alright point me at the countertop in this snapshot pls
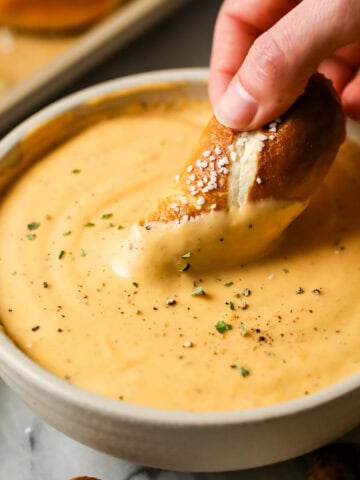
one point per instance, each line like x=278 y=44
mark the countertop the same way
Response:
x=29 y=448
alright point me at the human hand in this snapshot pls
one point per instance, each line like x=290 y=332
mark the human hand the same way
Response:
x=264 y=52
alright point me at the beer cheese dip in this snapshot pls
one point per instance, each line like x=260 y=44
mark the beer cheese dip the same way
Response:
x=231 y=338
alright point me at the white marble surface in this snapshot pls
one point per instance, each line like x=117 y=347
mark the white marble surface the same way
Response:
x=29 y=448
x=32 y=450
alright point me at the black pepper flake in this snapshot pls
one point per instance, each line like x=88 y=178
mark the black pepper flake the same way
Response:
x=262 y=338
x=316 y=291
x=250 y=226
x=221 y=239
x=35 y=329
x=45 y=285
x=171 y=301
x=300 y=290
x=247 y=292
x=60 y=330
x=185 y=268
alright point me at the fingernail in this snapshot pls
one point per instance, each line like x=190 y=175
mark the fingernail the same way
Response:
x=236 y=108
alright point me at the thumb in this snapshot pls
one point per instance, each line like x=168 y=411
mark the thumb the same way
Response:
x=280 y=61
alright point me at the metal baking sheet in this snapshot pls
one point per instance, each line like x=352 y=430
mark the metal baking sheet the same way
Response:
x=74 y=55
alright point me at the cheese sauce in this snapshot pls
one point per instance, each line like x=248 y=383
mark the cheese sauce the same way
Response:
x=241 y=337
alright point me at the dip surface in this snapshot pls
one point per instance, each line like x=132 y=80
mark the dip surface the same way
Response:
x=294 y=316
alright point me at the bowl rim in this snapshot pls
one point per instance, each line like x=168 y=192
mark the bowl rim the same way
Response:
x=13 y=359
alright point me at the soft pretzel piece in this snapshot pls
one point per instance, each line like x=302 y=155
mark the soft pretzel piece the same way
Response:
x=53 y=15
x=239 y=191
x=339 y=461
x=285 y=161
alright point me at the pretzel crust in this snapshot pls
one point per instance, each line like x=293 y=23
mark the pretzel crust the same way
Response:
x=53 y=15
x=291 y=158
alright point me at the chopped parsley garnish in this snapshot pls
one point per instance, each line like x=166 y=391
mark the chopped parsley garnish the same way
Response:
x=228 y=284
x=120 y=227
x=33 y=225
x=243 y=330
x=83 y=253
x=243 y=371
x=285 y=270
x=66 y=234
x=198 y=291
x=89 y=224
x=105 y=216
x=185 y=267
x=62 y=254
x=111 y=225
x=186 y=255
x=222 y=326
x=231 y=305
x=31 y=236
x=76 y=170
x=135 y=284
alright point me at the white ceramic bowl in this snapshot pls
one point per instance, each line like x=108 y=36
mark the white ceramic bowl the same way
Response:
x=168 y=439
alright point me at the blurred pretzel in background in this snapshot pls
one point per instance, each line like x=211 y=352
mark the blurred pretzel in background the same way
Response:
x=53 y=15
x=338 y=461
x=84 y=478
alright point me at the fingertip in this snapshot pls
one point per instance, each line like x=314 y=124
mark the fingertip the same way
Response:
x=352 y=110
x=337 y=71
x=351 y=98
